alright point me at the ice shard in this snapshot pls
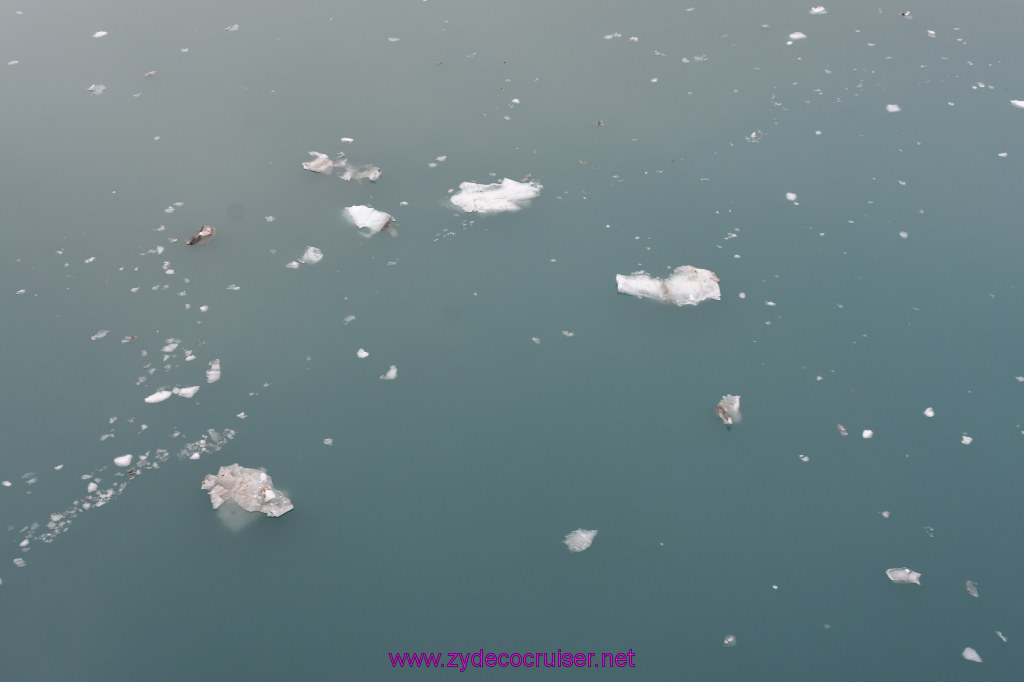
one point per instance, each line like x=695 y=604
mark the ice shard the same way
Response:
x=686 y=286
x=251 y=489
x=728 y=409
x=579 y=539
x=903 y=575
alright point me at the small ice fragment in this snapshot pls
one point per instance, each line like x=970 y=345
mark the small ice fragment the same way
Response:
x=579 y=539
x=293 y=264
x=903 y=575
x=729 y=641
x=392 y=39
x=202 y=236
x=498 y=197
x=728 y=409
x=92 y=487
x=966 y=440
x=686 y=286
x=171 y=346
x=805 y=458
x=328 y=441
x=159 y=396
x=971 y=655
x=819 y=9
x=100 y=334
x=213 y=374
x=1000 y=635
x=535 y=339
x=232 y=27
x=903 y=234
x=13 y=62
x=5 y=483
x=369 y=220
x=892 y=108
x=349 y=318
x=96 y=88
x=312 y=255
x=842 y=430
x=241 y=415
x=123 y=460
x=269 y=218
x=972 y=588
x=390 y=374
x=186 y=392
x=885 y=514
x=797 y=35
x=251 y=489
x=791 y=196
x=929 y=412
x=868 y=433
x=361 y=353
x=99 y=34
x=568 y=334
x=1019 y=103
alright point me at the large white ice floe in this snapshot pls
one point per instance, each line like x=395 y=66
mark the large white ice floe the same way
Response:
x=369 y=220
x=686 y=286
x=497 y=197
x=903 y=575
x=251 y=489
x=728 y=409
x=579 y=539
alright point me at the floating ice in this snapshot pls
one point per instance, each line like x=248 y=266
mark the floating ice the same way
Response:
x=972 y=588
x=251 y=489
x=369 y=220
x=728 y=409
x=842 y=430
x=791 y=196
x=312 y=255
x=159 y=396
x=1019 y=103
x=321 y=163
x=122 y=461
x=929 y=412
x=186 y=392
x=497 y=197
x=100 y=334
x=971 y=655
x=819 y=10
x=232 y=27
x=1000 y=635
x=99 y=34
x=686 y=286
x=892 y=108
x=797 y=35
x=213 y=374
x=966 y=440
x=903 y=575
x=202 y=236
x=579 y=539
x=390 y=374
x=96 y=88
x=362 y=353
x=868 y=433
x=729 y=641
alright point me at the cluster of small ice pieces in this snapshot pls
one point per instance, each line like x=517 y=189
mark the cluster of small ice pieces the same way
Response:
x=251 y=489
x=686 y=286
x=497 y=197
x=579 y=539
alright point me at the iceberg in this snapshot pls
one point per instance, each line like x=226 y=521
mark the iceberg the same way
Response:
x=369 y=220
x=686 y=286
x=728 y=409
x=579 y=539
x=497 y=197
x=251 y=489
x=903 y=575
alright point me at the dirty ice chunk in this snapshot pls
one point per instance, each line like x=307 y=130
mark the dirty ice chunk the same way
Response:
x=729 y=641
x=903 y=575
x=123 y=460
x=579 y=539
x=728 y=409
x=213 y=374
x=390 y=374
x=251 y=489
x=202 y=236
x=497 y=197
x=369 y=220
x=971 y=655
x=966 y=440
x=185 y=392
x=892 y=108
x=842 y=430
x=790 y=196
x=972 y=588
x=929 y=412
x=159 y=396
x=686 y=286
x=312 y=255
x=321 y=163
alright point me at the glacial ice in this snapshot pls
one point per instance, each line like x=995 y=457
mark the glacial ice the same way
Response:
x=159 y=396
x=251 y=489
x=213 y=374
x=497 y=197
x=369 y=220
x=686 y=286
x=728 y=409
x=971 y=655
x=579 y=539
x=903 y=575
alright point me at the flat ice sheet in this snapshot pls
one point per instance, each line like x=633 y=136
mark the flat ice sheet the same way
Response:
x=497 y=197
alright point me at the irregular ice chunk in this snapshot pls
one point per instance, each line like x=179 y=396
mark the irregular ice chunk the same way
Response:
x=362 y=353
x=892 y=108
x=100 y=334
x=99 y=34
x=321 y=163
x=202 y=236
x=867 y=433
x=369 y=220
x=728 y=409
x=391 y=374
x=186 y=392
x=123 y=460
x=251 y=489
x=903 y=575
x=213 y=374
x=972 y=588
x=579 y=539
x=966 y=440
x=1019 y=103
x=929 y=412
x=842 y=430
x=971 y=655
x=497 y=197
x=729 y=641
x=797 y=35
x=819 y=9
x=312 y=255
x=686 y=286
x=159 y=396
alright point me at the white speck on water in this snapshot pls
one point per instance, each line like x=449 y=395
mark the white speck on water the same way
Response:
x=1002 y=155
x=269 y=218
x=805 y=458
x=99 y=34
x=904 y=234
x=241 y=415
x=796 y=35
x=971 y=655
x=579 y=539
x=892 y=108
x=232 y=27
x=972 y=588
x=13 y=62
x=123 y=460
x=535 y=339
x=929 y=412
x=885 y=514
x=1000 y=635
x=568 y=334
x=966 y=440
x=842 y=430
x=96 y=88
x=328 y=441
x=312 y=255
x=819 y=9
x=361 y=353
x=393 y=40
x=903 y=575
x=729 y=641
x=390 y=374
x=867 y=433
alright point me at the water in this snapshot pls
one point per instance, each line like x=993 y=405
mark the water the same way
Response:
x=435 y=520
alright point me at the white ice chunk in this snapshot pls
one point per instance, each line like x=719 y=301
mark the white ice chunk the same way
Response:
x=966 y=440
x=159 y=396
x=321 y=163
x=213 y=374
x=99 y=34
x=728 y=409
x=729 y=641
x=312 y=255
x=232 y=27
x=497 y=197
x=123 y=460
x=892 y=108
x=186 y=391
x=791 y=196
x=1019 y=103
x=929 y=412
x=903 y=575
x=686 y=286
x=867 y=433
x=842 y=430
x=96 y=88
x=362 y=353
x=100 y=334
x=1000 y=635
x=369 y=220
x=391 y=374
x=972 y=588
x=579 y=539
x=971 y=655
x=797 y=35
x=251 y=489
x=819 y=9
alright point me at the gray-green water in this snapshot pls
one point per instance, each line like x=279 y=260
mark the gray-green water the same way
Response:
x=434 y=522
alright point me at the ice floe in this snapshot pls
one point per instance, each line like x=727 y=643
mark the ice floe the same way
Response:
x=213 y=374
x=867 y=433
x=100 y=334
x=929 y=412
x=728 y=409
x=362 y=353
x=729 y=641
x=100 y=34
x=819 y=9
x=311 y=255
x=497 y=197
x=972 y=588
x=159 y=396
x=390 y=375
x=966 y=440
x=686 y=286
x=369 y=220
x=251 y=489
x=122 y=461
x=971 y=655
x=579 y=539
x=185 y=392
x=903 y=575
x=322 y=163
x=1019 y=103
x=892 y=108
x=202 y=236
x=96 y=88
